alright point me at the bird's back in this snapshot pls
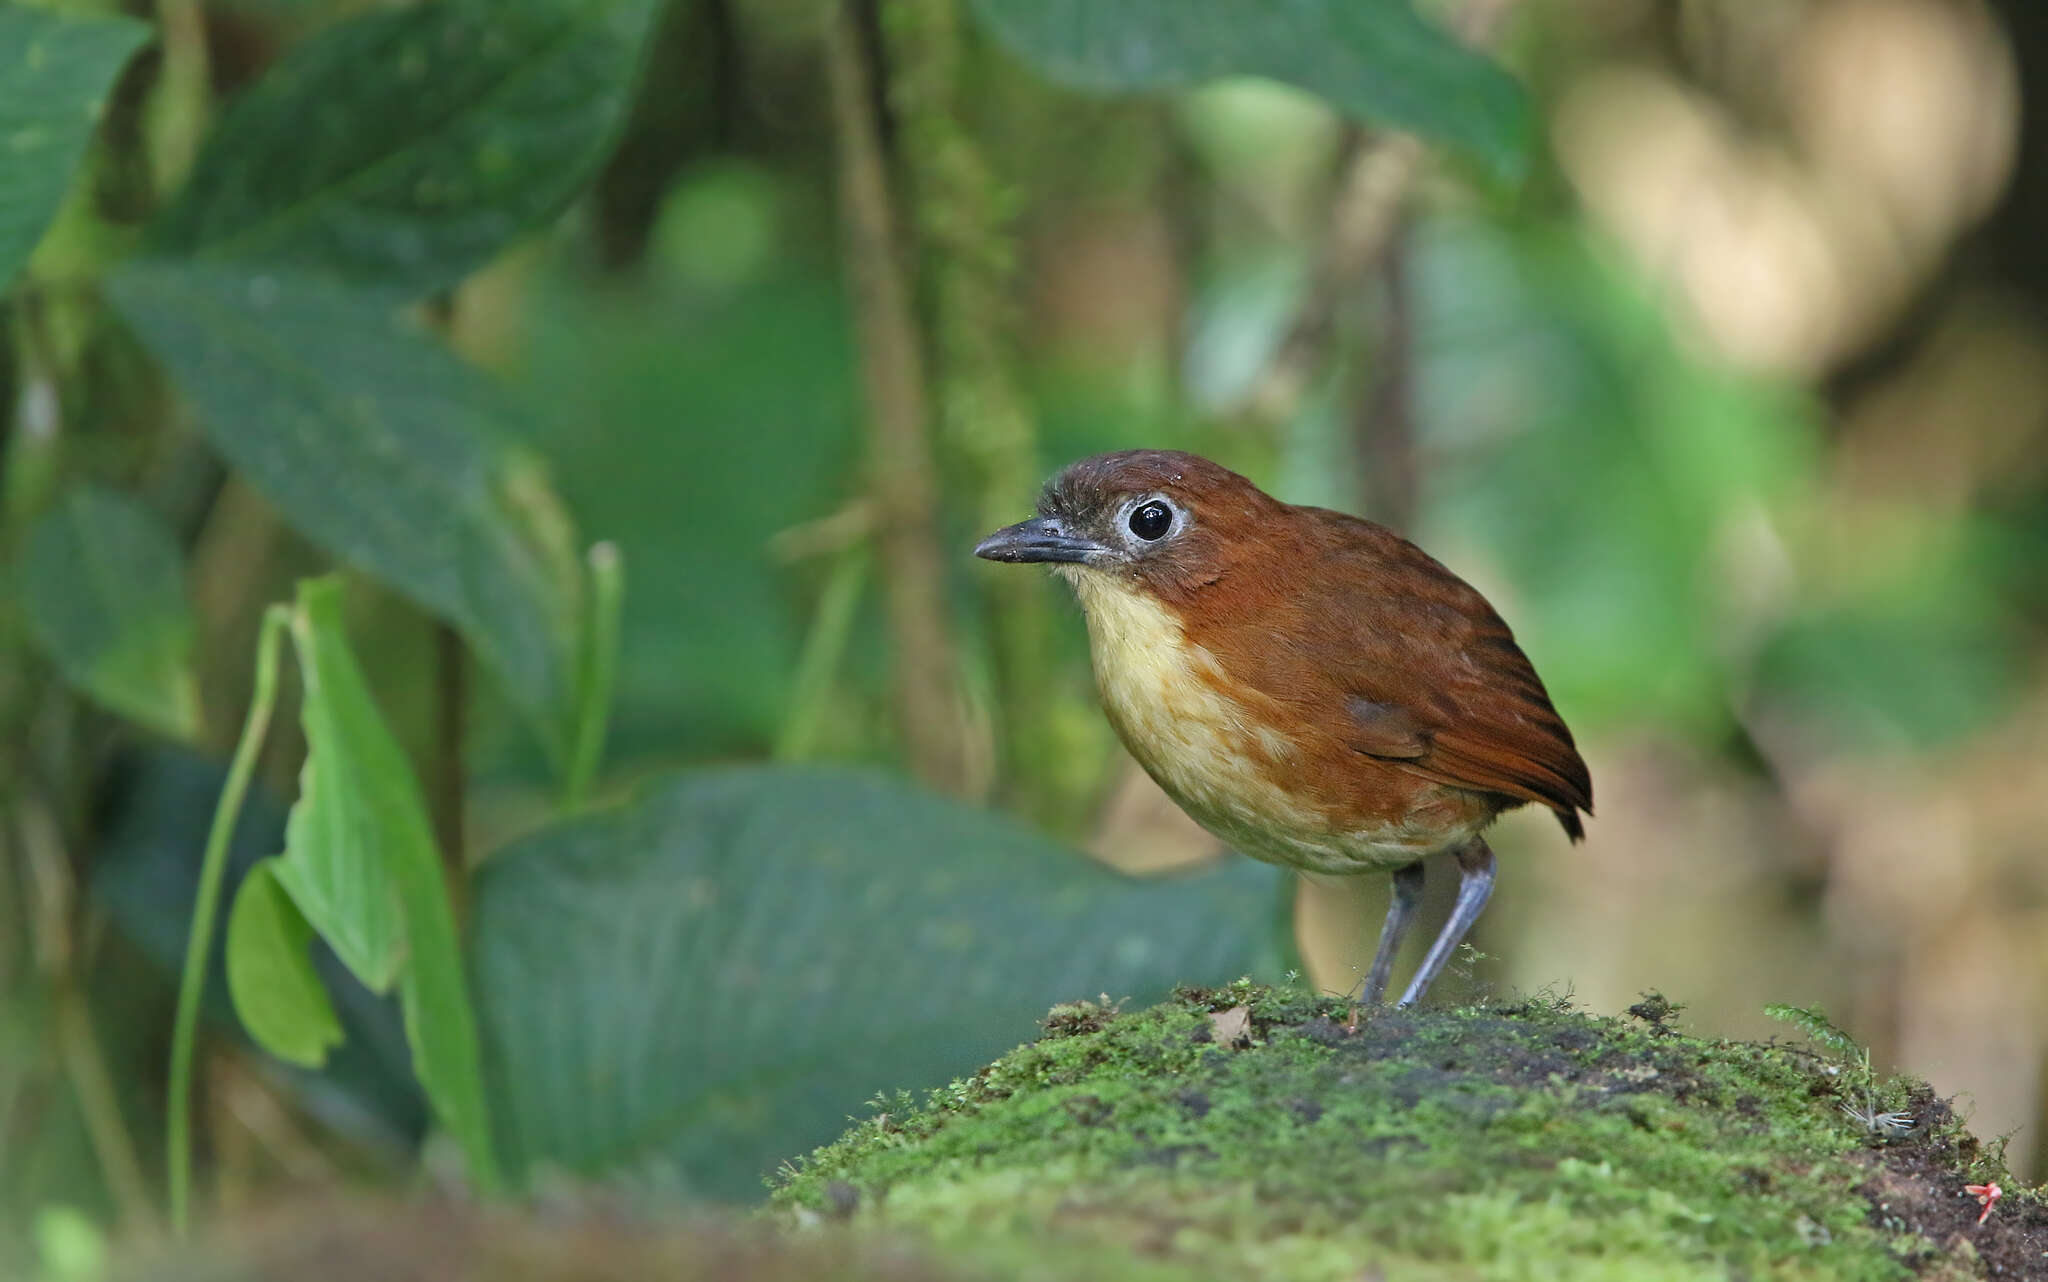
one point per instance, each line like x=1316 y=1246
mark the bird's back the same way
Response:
x=1384 y=663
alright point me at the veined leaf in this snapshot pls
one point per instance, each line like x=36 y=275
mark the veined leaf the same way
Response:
x=359 y=812
x=270 y=973
x=1377 y=60
x=55 y=75
x=360 y=863
x=103 y=586
x=713 y=978
x=384 y=449
x=405 y=148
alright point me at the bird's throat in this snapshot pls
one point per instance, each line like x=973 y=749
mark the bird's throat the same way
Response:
x=1168 y=699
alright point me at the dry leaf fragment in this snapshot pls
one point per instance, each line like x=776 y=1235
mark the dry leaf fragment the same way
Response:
x=1233 y=1027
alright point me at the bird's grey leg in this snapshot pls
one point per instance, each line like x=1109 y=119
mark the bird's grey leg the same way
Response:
x=1475 y=886
x=1400 y=916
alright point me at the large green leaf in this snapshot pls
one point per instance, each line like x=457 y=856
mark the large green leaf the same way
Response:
x=361 y=865
x=270 y=973
x=103 y=587
x=1373 y=59
x=55 y=75
x=711 y=979
x=407 y=147
x=383 y=448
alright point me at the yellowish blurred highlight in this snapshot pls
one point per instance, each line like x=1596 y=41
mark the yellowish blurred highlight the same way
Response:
x=1794 y=222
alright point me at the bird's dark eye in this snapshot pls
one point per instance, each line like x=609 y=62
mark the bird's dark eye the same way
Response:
x=1151 y=521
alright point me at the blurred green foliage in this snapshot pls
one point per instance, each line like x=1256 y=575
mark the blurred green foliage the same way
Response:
x=60 y=71
x=104 y=586
x=1376 y=59
x=675 y=428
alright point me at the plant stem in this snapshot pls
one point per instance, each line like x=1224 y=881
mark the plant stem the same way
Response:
x=86 y=1065
x=1370 y=204
x=178 y=111
x=446 y=778
x=1383 y=414
x=928 y=712
x=824 y=649
x=199 y=943
x=48 y=870
x=963 y=215
x=599 y=673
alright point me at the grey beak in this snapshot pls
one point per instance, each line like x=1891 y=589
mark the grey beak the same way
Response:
x=1038 y=539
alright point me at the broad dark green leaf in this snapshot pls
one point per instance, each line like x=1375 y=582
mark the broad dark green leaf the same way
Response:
x=55 y=75
x=270 y=973
x=711 y=979
x=384 y=449
x=361 y=864
x=407 y=147
x=103 y=586
x=1377 y=60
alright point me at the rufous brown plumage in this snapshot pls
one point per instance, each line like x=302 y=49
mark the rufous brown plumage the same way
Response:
x=1308 y=685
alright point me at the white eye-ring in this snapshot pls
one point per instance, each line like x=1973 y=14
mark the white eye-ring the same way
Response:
x=1150 y=519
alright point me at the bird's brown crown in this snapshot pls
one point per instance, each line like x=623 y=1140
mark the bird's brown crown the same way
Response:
x=1214 y=517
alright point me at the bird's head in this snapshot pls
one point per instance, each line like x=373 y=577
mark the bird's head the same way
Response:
x=1149 y=519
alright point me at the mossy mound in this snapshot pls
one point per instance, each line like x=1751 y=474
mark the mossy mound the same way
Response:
x=1509 y=1141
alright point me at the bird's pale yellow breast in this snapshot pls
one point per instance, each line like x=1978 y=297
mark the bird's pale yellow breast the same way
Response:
x=1165 y=696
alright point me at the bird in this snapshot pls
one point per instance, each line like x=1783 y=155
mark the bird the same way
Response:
x=1307 y=685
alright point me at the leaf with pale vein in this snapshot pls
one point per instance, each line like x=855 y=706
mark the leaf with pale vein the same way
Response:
x=1376 y=60
x=405 y=148
x=709 y=980
x=360 y=862
x=379 y=445
x=56 y=72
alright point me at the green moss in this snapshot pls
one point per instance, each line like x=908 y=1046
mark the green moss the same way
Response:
x=1526 y=1141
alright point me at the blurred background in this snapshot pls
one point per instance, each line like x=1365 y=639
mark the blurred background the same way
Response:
x=1736 y=407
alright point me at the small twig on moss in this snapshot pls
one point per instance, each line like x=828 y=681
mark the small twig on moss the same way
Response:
x=1656 y=1010
x=1883 y=1123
